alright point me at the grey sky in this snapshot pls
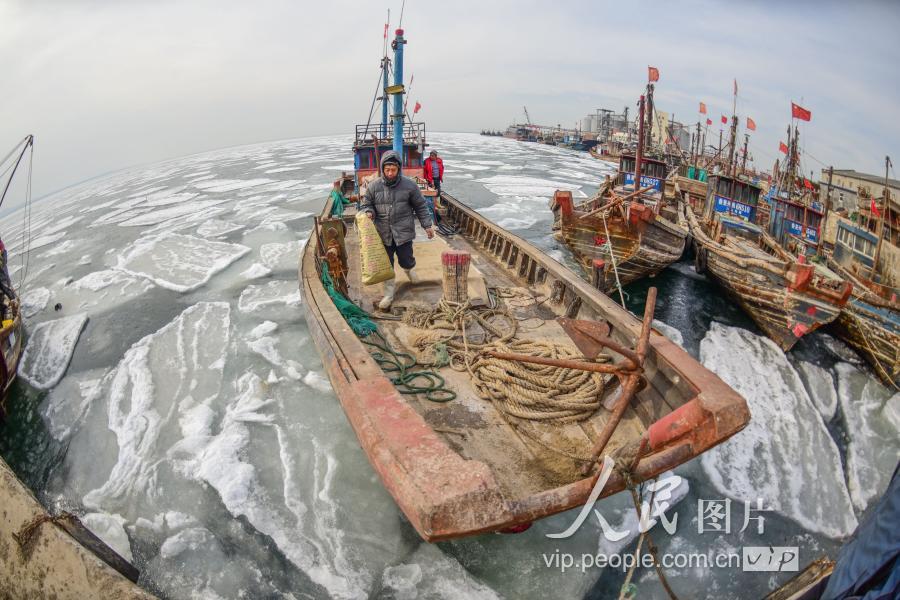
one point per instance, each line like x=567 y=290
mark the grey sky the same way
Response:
x=105 y=85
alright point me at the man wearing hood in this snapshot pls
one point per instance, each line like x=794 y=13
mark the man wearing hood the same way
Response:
x=392 y=201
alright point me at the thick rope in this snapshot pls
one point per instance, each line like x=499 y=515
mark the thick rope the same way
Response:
x=524 y=391
x=25 y=536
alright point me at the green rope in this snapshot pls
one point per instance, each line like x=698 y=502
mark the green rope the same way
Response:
x=431 y=384
x=358 y=319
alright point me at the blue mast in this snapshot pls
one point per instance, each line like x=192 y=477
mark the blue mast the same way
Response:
x=398 y=97
x=384 y=97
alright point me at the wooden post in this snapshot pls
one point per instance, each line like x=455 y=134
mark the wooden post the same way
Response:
x=884 y=210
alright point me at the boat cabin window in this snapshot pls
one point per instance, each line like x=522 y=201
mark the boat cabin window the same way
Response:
x=856 y=243
x=723 y=188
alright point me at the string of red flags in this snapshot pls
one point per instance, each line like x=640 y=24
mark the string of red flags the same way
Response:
x=798 y=112
x=652 y=74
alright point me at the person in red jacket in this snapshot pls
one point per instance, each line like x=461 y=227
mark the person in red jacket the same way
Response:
x=434 y=175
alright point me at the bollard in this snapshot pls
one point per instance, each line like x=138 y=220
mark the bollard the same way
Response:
x=456 y=276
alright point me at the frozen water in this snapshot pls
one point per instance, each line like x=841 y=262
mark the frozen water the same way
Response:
x=34 y=301
x=49 y=350
x=255 y=271
x=217 y=227
x=273 y=293
x=515 y=185
x=66 y=404
x=429 y=573
x=198 y=209
x=110 y=529
x=280 y=256
x=179 y=262
x=230 y=185
x=785 y=455
x=669 y=331
x=874 y=446
x=820 y=386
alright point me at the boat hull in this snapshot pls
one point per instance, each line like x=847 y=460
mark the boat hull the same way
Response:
x=785 y=315
x=875 y=333
x=634 y=249
x=447 y=490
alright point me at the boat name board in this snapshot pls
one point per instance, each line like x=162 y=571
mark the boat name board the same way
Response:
x=794 y=228
x=733 y=207
x=646 y=181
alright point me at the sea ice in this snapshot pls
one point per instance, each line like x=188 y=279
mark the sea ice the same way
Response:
x=110 y=529
x=166 y=375
x=197 y=210
x=515 y=185
x=273 y=293
x=429 y=573
x=230 y=185
x=280 y=256
x=179 y=262
x=785 y=455
x=217 y=227
x=34 y=301
x=49 y=350
x=65 y=405
x=669 y=331
x=821 y=390
x=874 y=446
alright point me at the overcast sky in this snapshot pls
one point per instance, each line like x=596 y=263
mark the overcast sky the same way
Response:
x=109 y=84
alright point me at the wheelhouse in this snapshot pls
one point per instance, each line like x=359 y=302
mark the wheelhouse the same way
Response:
x=734 y=203
x=796 y=226
x=653 y=173
x=853 y=245
x=369 y=146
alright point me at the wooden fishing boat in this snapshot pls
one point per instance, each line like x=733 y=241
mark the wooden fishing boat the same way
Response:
x=536 y=382
x=786 y=296
x=627 y=231
x=870 y=322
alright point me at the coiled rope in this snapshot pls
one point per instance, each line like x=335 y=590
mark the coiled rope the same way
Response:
x=522 y=390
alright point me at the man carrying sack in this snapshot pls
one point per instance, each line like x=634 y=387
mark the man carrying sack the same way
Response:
x=391 y=202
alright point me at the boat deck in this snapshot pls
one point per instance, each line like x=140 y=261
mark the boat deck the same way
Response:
x=519 y=452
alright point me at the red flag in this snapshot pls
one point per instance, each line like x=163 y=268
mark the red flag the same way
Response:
x=782 y=147
x=702 y=109
x=751 y=124
x=724 y=120
x=735 y=87
x=417 y=107
x=798 y=112
x=652 y=74
x=807 y=184
x=385 y=30
x=709 y=121
x=875 y=208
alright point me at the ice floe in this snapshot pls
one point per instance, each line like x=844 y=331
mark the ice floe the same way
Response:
x=34 y=301
x=179 y=262
x=110 y=529
x=820 y=386
x=273 y=293
x=874 y=445
x=217 y=227
x=429 y=573
x=785 y=455
x=49 y=350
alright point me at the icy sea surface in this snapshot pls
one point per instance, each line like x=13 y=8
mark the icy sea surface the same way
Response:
x=176 y=402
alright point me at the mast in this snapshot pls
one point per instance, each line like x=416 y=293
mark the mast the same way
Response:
x=884 y=210
x=639 y=156
x=649 y=112
x=627 y=126
x=398 y=93
x=385 y=61
x=744 y=161
x=827 y=209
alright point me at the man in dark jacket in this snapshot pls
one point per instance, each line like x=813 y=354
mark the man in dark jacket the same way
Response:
x=392 y=201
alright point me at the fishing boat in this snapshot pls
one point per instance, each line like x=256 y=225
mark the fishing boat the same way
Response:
x=625 y=232
x=870 y=321
x=11 y=326
x=787 y=296
x=486 y=398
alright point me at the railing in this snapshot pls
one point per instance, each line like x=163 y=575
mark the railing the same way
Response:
x=413 y=133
